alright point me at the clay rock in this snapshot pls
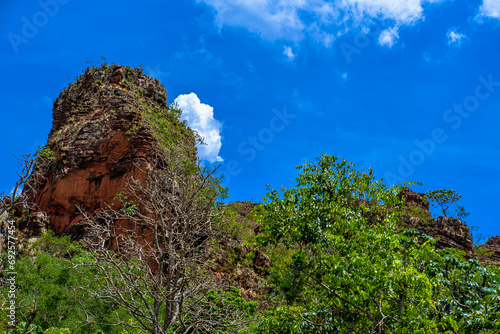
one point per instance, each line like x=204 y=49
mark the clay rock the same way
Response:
x=449 y=232
x=452 y=233
x=100 y=135
x=414 y=199
x=493 y=246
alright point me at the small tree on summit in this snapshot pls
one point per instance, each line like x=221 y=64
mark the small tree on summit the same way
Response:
x=444 y=199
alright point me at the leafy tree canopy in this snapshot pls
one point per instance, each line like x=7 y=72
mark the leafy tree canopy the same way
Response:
x=347 y=269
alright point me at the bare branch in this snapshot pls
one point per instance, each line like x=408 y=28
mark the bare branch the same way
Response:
x=150 y=256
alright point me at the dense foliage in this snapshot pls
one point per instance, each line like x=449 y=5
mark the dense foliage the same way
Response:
x=45 y=294
x=349 y=269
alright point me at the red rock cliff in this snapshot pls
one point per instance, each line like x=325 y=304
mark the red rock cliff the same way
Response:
x=99 y=135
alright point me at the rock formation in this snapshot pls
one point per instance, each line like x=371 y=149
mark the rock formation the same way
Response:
x=105 y=125
x=492 y=245
x=414 y=200
x=449 y=232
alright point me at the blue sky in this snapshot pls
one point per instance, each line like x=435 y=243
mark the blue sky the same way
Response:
x=410 y=88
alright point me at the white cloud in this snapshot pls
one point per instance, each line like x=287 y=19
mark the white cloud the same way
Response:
x=388 y=37
x=200 y=117
x=455 y=38
x=320 y=20
x=288 y=53
x=344 y=75
x=490 y=8
x=401 y=11
x=269 y=19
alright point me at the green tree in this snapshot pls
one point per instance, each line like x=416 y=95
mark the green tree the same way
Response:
x=45 y=289
x=347 y=269
x=467 y=295
x=446 y=199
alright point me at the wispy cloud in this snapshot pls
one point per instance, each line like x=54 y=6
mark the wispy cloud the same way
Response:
x=270 y=19
x=455 y=38
x=388 y=37
x=200 y=117
x=288 y=52
x=321 y=20
x=403 y=12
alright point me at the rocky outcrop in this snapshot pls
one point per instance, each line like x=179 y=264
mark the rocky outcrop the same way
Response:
x=414 y=199
x=492 y=245
x=449 y=232
x=107 y=127
x=102 y=134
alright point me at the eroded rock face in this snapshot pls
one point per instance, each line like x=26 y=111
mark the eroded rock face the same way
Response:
x=99 y=138
x=450 y=232
x=414 y=199
x=493 y=247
